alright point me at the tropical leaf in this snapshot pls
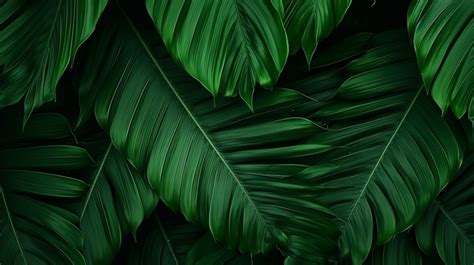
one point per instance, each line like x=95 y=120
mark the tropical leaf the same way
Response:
x=447 y=227
x=216 y=162
x=307 y=22
x=443 y=37
x=34 y=229
x=395 y=151
x=168 y=240
x=401 y=250
x=38 y=39
x=348 y=48
x=228 y=45
x=117 y=202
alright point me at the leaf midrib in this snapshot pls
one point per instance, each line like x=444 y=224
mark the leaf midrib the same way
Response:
x=190 y=114
x=448 y=216
x=48 y=40
x=168 y=243
x=9 y=217
x=94 y=181
x=372 y=173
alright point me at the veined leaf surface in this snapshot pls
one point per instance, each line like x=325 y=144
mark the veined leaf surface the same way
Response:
x=33 y=228
x=307 y=22
x=116 y=203
x=443 y=38
x=447 y=227
x=219 y=164
x=228 y=45
x=174 y=242
x=395 y=153
x=38 y=39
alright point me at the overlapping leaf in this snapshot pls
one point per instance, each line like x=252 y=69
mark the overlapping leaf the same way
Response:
x=38 y=39
x=394 y=151
x=400 y=250
x=117 y=202
x=229 y=45
x=448 y=227
x=174 y=242
x=33 y=228
x=308 y=22
x=219 y=164
x=443 y=38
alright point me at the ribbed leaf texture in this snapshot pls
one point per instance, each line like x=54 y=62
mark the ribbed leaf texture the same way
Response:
x=38 y=40
x=448 y=227
x=400 y=250
x=393 y=152
x=34 y=228
x=169 y=240
x=307 y=22
x=219 y=164
x=117 y=201
x=228 y=45
x=443 y=38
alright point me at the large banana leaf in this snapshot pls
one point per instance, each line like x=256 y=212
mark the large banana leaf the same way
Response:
x=443 y=37
x=38 y=39
x=117 y=202
x=307 y=22
x=394 y=151
x=34 y=229
x=228 y=45
x=448 y=227
x=216 y=162
x=174 y=242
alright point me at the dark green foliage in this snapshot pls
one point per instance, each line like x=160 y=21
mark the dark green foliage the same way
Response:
x=348 y=139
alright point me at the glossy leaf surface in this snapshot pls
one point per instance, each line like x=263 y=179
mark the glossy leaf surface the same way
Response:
x=394 y=153
x=229 y=45
x=38 y=40
x=447 y=227
x=35 y=229
x=219 y=164
x=308 y=22
x=443 y=38
x=116 y=203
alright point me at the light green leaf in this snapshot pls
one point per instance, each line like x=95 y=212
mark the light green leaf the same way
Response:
x=443 y=38
x=228 y=45
x=38 y=41
x=191 y=148
x=34 y=230
x=448 y=227
x=307 y=22
x=395 y=153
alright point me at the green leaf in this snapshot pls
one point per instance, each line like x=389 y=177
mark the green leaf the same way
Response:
x=395 y=153
x=173 y=242
x=400 y=250
x=447 y=227
x=342 y=50
x=307 y=22
x=34 y=229
x=228 y=45
x=216 y=162
x=117 y=202
x=443 y=35
x=38 y=41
